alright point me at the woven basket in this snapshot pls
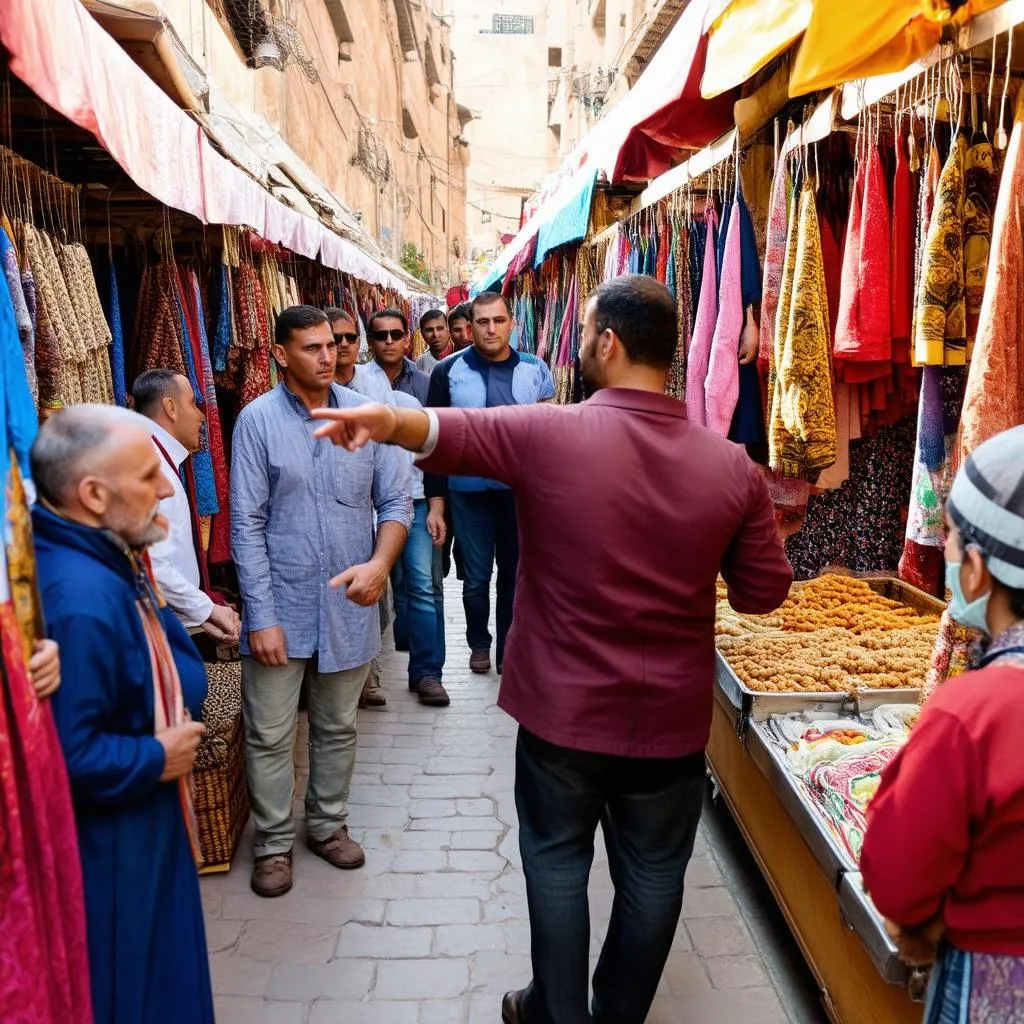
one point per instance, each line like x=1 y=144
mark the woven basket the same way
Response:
x=218 y=780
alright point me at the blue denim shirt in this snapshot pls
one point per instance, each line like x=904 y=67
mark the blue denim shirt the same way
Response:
x=302 y=511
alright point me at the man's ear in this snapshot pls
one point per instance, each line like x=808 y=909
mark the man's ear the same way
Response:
x=93 y=495
x=279 y=353
x=975 y=577
x=170 y=407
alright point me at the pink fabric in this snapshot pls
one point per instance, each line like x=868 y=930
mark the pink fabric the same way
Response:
x=774 y=258
x=703 y=330
x=864 y=328
x=44 y=968
x=722 y=384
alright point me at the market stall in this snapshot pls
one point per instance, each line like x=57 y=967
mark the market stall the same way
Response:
x=811 y=704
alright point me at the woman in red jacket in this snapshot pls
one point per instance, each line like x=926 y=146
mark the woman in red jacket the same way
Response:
x=943 y=858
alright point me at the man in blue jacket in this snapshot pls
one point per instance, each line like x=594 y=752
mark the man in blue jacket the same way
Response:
x=488 y=374
x=131 y=678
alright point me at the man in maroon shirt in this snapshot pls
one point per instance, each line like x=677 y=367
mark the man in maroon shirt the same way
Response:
x=627 y=515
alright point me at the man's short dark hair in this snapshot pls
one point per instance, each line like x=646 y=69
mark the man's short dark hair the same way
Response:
x=642 y=312
x=297 y=318
x=430 y=316
x=337 y=313
x=486 y=299
x=152 y=387
x=460 y=312
x=392 y=312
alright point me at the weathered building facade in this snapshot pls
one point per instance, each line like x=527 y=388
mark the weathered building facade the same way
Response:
x=353 y=94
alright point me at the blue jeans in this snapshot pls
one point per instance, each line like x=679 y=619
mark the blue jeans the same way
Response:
x=486 y=531
x=648 y=810
x=419 y=600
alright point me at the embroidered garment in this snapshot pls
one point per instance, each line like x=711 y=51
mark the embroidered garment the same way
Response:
x=117 y=366
x=774 y=259
x=698 y=357
x=803 y=422
x=980 y=186
x=26 y=334
x=903 y=249
x=994 y=398
x=940 y=330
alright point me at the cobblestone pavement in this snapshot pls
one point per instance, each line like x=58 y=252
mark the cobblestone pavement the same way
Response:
x=434 y=928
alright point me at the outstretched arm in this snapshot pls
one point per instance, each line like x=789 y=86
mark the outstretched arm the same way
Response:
x=355 y=427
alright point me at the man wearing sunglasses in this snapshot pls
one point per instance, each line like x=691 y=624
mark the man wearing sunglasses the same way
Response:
x=365 y=379
x=416 y=580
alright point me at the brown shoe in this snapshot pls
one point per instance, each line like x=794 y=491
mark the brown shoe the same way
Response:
x=512 y=1008
x=480 y=662
x=432 y=693
x=341 y=849
x=272 y=875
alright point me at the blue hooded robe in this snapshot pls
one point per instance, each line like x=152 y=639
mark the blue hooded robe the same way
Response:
x=147 y=944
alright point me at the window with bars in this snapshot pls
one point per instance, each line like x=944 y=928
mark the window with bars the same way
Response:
x=511 y=25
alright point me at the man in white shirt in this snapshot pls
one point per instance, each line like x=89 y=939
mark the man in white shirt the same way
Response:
x=166 y=398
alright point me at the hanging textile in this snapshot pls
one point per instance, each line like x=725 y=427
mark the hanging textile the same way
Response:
x=117 y=364
x=26 y=331
x=940 y=329
x=679 y=272
x=155 y=341
x=803 y=422
x=722 y=384
x=42 y=917
x=748 y=425
x=994 y=399
x=980 y=187
x=249 y=358
x=704 y=326
x=864 y=327
x=698 y=245
x=774 y=259
x=902 y=262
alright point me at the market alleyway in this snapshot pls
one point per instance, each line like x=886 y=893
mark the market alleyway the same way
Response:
x=434 y=929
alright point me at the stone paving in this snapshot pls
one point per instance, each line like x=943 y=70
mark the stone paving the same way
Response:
x=434 y=928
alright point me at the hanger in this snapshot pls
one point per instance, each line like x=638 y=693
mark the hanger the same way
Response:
x=1002 y=139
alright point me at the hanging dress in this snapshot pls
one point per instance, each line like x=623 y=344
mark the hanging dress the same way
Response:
x=704 y=327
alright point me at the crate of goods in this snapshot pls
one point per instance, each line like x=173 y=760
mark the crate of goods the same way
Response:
x=218 y=779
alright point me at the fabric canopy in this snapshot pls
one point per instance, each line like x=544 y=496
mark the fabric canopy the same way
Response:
x=846 y=41
x=63 y=55
x=746 y=36
x=571 y=217
x=639 y=138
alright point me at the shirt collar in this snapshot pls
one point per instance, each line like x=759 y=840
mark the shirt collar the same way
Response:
x=299 y=406
x=481 y=363
x=176 y=451
x=641 y=401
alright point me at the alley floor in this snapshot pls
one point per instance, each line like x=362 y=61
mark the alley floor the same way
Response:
x=434 y=928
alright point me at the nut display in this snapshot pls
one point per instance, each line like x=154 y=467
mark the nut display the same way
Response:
x=832 y=634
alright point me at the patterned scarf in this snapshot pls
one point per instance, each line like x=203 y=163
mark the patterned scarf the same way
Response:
x=168 y=703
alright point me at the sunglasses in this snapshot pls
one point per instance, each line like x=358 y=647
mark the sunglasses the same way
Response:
x=346 y=338
x=395 y=334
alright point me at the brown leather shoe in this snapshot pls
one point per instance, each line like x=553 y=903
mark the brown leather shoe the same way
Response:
x=272 y=875
x=340 y=849
x=512 y=1007
x=480 y=662
x=432 y=693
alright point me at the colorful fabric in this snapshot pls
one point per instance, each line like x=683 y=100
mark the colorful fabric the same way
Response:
x=950 y=656
x=774 y=261
x=976 y=988
x=26 y=334
x=722 y=384
x=803 y=420
x=940 y=336
x=117 y=365
x=981 y=184
x=698 y=357
x=864 y=328
x=903 y=247
x=994 y=397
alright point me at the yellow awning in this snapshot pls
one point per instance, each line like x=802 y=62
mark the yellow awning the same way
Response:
x=846 y=41
x=746 y=36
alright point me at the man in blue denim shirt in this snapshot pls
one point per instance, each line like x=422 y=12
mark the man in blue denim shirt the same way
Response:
x=302 y=524
x=488 y=374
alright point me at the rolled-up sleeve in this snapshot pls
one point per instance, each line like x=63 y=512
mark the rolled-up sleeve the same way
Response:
x=250 y=504
x=392 y=485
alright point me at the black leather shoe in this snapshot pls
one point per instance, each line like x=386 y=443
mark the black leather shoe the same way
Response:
x=511 y=1008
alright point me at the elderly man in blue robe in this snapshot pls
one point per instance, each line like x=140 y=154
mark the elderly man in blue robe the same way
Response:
x=132 y=682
